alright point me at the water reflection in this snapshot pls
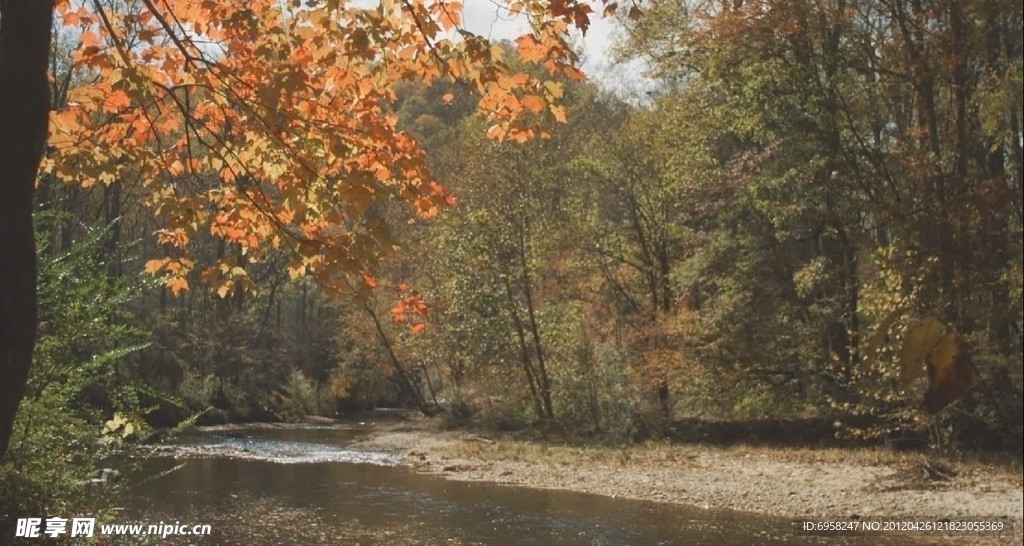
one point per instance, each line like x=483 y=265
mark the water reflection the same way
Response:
x=257 y=500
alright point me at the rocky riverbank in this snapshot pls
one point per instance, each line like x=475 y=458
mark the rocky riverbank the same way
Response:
x=827 y=483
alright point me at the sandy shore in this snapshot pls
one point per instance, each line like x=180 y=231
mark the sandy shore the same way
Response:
x=786 y=482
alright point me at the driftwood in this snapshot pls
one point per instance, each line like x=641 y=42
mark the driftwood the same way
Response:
x=937 y=471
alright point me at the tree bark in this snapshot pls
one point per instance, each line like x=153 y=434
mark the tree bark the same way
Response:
x=24 y=110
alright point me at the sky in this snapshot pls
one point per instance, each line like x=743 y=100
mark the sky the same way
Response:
x=486 y=18
x=490 y=19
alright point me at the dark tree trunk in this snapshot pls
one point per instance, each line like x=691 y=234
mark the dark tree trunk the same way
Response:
x=524 y=352
x=24 y=110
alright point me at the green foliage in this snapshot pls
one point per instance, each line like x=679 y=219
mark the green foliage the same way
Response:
x=78 y=410
x=297 y=398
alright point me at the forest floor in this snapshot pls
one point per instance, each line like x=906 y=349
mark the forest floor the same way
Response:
x=791 y=482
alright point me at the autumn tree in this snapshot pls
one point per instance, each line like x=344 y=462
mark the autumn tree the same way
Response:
x=268 y=124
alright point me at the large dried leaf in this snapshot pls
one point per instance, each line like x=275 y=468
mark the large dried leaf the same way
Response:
x=949 y=376
x=918 y=342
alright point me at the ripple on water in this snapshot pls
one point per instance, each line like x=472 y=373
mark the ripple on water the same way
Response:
x=279 y=451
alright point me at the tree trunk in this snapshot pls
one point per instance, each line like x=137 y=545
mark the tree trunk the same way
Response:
x=406 y=379
x=524 y=352
x=24 y=111
x=542 y=370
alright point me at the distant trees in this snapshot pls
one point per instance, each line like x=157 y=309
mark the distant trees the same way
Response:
x=869 y=175
x=762 y=237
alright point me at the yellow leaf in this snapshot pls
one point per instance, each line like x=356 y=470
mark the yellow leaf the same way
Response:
x=554 y=89
x=116 y=422
x=63 y=121
x=177 y=284
x=296 y=269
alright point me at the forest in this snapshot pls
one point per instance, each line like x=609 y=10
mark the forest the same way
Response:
x=809 y=227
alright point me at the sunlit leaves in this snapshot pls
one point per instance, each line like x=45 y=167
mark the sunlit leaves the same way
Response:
x=118 y=429
x=225 y=277
x=447 y=13
x=172 y=270
x=531 y=49
x=271 y=124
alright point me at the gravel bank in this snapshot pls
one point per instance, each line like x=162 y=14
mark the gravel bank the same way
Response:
x=786 y=482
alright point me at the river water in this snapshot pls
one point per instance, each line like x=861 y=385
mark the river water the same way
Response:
x=301 y=486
